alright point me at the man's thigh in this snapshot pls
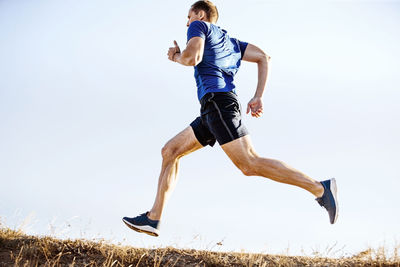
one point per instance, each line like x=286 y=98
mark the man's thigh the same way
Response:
x=184 y=142
x=240 y=150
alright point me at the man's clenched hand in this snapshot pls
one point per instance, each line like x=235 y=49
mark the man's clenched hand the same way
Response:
x=255 y=105
x=173 y=50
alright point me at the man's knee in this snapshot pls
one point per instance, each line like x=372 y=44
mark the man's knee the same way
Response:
x=170 y=151
x=248 y=171
x=248 y=168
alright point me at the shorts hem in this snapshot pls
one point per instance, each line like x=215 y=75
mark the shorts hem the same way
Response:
x=228 y=141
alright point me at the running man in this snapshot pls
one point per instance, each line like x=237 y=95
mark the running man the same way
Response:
x=216 y=58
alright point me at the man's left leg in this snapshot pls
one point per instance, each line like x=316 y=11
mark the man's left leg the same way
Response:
x=182 y=144
x=243 y=155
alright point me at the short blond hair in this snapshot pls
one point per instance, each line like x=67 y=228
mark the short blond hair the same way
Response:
x=208 y=7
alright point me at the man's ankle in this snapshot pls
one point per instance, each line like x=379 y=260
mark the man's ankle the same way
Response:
x=153 y=216
x=320 y=191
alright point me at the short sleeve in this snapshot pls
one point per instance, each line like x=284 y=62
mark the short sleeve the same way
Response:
x=243 y=46
x=197 y=29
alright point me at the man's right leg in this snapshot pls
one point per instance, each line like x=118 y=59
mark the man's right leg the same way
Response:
x=182 y=144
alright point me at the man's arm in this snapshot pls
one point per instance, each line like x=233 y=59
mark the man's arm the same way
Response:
x=256 y=55
x=191 y=56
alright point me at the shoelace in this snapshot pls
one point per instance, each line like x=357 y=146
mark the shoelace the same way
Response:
x=143 y=214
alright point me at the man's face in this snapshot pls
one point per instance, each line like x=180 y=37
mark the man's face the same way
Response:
x=192 y=16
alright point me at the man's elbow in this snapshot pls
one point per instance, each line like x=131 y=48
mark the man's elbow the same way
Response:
x=191 y=62
x=194 y=61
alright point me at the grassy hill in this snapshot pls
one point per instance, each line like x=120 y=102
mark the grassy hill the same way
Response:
x=19 y=249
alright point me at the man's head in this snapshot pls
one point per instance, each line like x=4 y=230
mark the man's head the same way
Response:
x=203 y=10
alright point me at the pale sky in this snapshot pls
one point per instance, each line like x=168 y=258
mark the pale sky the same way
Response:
x=88 y=98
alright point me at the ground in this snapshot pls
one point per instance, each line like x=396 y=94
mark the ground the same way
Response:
x=19 y=249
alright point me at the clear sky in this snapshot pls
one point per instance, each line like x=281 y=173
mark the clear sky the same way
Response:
x=88 y=98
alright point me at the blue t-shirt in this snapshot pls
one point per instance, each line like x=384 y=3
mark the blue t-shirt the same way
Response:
x=221 y=58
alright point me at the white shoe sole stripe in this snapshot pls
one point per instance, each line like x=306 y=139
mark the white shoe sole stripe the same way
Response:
x=146 y=228
x=334 y=193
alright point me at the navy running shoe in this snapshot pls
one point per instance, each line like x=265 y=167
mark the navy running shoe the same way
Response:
x=143 y=224
x=329 y=199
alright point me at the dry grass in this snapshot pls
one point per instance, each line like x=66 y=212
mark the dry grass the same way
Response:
x=18 y=249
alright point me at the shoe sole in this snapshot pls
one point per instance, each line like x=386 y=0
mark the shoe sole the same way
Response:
x=334 y=193
x=133 y=227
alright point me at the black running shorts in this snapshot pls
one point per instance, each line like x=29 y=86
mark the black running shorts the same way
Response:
x=220 y=119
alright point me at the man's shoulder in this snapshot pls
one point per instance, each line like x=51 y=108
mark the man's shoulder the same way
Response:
x=199 y=24
x=198 y=28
